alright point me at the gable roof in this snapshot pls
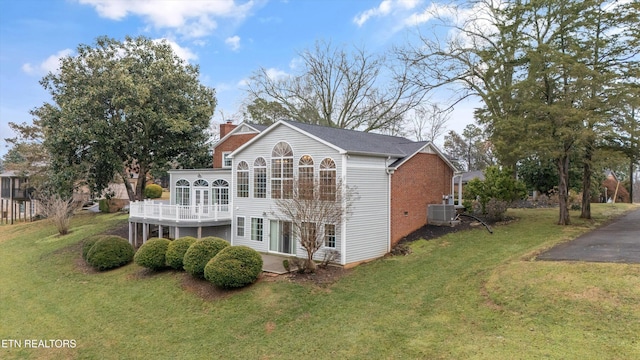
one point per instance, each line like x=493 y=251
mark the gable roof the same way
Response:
x=255 y=128
x=356 y=142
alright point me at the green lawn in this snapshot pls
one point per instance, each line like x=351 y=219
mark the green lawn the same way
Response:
x=466 y=295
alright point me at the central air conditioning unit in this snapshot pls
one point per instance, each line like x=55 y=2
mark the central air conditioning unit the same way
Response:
x=441 y=214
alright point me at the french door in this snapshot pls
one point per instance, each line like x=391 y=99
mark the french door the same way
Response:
x=202 y=201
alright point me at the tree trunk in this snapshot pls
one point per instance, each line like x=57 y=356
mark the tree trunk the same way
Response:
x=142 y=180
x=586 y=182
x=127 y=185
x=563 y=190
x=631 y=181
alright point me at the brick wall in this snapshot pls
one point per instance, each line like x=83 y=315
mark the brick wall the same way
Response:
x=420 y=181
x=232 y=143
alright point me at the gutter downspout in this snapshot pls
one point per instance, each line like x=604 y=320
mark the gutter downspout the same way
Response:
x=389 y=174
x=343 y=242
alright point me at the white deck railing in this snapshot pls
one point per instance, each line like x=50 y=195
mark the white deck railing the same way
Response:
x=148 y=209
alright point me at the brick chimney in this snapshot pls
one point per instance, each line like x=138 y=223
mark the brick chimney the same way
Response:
x=226 y=128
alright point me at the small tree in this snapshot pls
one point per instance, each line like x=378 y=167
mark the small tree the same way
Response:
x=498 y=185
x=59 y=211
x=312 y=205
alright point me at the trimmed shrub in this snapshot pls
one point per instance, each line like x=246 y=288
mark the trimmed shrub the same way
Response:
x=152 y=254
x=176 y=250
x=234 y=267
x=153 y=191
x=110 y=252
x=88 y=243
x=103 y=205
x=200 y=252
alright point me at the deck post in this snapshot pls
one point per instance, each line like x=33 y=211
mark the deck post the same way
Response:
x=177 y=232
x=135 y=234
x=160 y=233
x=145 y=232
x=199 y=232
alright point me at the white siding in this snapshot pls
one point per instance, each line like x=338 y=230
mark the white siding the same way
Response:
x=367 y=234
x=263 y=208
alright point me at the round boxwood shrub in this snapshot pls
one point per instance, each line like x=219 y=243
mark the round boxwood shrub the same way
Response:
x=153 y=191
x=234 y=267
x=176 y=250
x=200 y=252
x=88 y=243
x=110 y=252
x=152 y=254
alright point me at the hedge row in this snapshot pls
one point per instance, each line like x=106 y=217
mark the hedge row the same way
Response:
x=211 y=258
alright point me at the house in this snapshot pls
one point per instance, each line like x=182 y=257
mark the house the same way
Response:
x=15 y=198
x=395 y=179
x=613 y=190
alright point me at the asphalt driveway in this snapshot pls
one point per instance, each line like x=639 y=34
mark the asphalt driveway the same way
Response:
x=617 y=242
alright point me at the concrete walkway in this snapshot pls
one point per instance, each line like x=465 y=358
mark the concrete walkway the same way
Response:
x=617 y=242
x=273 y=264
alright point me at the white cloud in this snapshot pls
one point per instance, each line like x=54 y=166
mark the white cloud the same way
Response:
x=386 y=8
x=276 y=74
x=233 y=42
x=190 y=18
x=50 y=64
x=27 y=68
x=182 y=52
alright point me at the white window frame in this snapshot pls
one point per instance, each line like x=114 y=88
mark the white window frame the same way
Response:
x=225 y=158
x=238 y=227
x=260 y=184
x=242 y=188
x=259 y=236
x=324 y=235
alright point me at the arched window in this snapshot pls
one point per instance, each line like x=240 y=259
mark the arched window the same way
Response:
x=243 y=179
x=221 y=194
x=305 y=177
x=201 y=183
x=281 y=171
x=260 y=178
x=328 y=179
x=182 y=192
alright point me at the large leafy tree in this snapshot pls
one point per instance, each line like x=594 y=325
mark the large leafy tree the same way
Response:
x=338 y=88
x=120 y=105
x=537 y=67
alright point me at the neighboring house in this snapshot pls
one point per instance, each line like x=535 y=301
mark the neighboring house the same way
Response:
x=463 y=179
x=394 y=178
x=15 y=200
x=613 y=190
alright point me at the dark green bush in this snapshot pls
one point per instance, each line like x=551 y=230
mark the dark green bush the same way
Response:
x=152 y=254
x=103 y=205
x=153 y=191
x=176 y=250
x=110 y=252
x=234 y=267
x=88 y=243
x=200 y=252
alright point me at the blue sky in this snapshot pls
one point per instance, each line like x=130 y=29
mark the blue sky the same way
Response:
x=228 y=39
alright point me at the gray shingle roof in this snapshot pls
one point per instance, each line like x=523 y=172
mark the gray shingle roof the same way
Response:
x=354 y=141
